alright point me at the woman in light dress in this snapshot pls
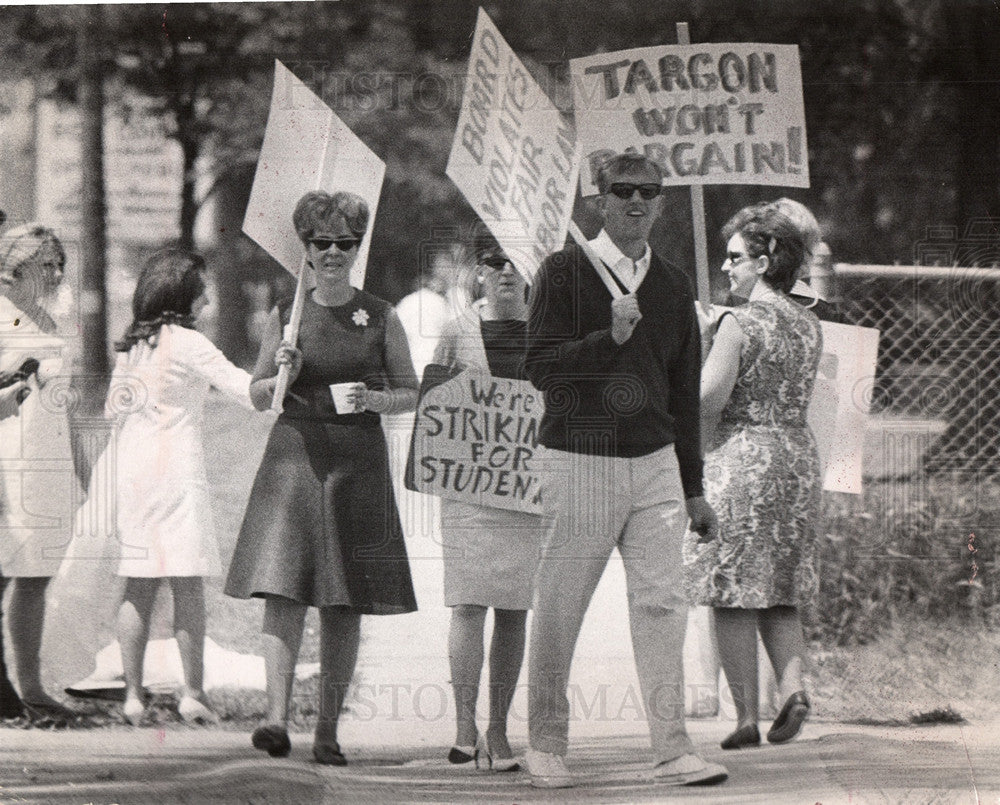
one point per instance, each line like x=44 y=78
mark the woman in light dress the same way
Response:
x=490 y=554
x=164 y=371
x=36 y=506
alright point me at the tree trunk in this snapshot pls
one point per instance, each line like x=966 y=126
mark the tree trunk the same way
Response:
x=94 y=358
x=230 y=271
x=189 y=149
x=89 y=430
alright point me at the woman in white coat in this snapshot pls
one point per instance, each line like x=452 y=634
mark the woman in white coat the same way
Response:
x=161 y=380
x=37 y=494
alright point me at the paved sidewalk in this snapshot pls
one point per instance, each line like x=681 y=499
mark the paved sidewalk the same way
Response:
x=829 y=763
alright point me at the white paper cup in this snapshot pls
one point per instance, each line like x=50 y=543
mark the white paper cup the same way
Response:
x=341 y=393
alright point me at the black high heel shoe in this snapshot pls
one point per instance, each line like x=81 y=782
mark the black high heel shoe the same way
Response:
x=273 y=739
x=464 y=754
x=789 y=721
x=497 y=764
x=744 y=736
x=329 y=754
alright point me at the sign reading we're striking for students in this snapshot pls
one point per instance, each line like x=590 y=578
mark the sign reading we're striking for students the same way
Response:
x=714 y=113
x=474 y=440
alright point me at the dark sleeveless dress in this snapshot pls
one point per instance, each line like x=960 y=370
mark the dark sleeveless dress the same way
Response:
x=322 y=527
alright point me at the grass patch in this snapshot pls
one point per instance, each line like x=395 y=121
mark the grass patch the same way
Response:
x=914 y=672
x=920 y=548
x=939 y=715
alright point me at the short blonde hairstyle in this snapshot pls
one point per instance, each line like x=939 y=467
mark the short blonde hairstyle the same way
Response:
x=23 y=243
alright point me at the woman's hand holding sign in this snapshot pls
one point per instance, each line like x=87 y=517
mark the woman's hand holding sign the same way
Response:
x=289 y=355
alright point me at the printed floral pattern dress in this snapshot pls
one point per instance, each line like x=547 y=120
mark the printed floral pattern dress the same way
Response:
x=762 y=471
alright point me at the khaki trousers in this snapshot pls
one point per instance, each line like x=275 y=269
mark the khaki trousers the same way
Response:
x=599 y=503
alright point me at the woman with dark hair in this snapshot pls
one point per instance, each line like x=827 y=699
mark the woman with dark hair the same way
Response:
x=162 y=377
x=36 y=508
x=321 y=528
x=761 y=472
x=490 y=554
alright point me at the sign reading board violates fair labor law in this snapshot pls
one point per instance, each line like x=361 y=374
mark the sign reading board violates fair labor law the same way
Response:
x=706 y=113
x=514 y=157
x=474 y=439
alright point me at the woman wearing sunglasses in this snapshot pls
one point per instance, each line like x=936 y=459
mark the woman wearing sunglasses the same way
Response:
x=490 y=554
x=322 y=528
x=761 y=472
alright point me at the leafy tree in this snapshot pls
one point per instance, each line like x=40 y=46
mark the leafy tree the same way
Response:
x=899 y=98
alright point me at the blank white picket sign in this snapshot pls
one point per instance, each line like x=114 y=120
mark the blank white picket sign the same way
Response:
x=306 y=147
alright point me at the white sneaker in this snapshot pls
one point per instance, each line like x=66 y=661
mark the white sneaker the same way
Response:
x=548 y=770
x=194 y=712
x=689 y=770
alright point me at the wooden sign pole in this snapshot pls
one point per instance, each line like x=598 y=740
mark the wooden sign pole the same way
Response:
x=595 y=261
x=697 y=211
x=291 y=335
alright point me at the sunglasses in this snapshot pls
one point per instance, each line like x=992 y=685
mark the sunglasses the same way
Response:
x=344 y=244
x=624 y=190
x=497 y=262
x=737 y=257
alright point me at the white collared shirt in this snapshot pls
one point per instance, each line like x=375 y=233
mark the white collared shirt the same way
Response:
x=630 y=274
x=801 y=288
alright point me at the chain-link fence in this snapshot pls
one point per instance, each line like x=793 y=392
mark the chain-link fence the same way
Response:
x=938 y=371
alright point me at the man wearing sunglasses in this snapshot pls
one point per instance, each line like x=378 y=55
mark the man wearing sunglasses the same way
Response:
x=621 y=466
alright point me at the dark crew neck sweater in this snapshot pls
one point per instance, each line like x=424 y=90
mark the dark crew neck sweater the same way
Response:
x=503 y=340
x=602 y=398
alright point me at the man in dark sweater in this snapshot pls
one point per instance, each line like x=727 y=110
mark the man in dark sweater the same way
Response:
x=621 y=467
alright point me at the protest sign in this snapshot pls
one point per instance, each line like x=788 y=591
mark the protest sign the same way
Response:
x=514 y=157
x=714 y=113
x=474 y=439
x=841 y=397
x=306 y=147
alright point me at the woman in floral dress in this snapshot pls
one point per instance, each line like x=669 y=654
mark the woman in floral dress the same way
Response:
x=761 y=472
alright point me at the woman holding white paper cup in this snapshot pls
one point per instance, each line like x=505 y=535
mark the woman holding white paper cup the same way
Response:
x=761 y=472
x=490 y=554
x=322 y=528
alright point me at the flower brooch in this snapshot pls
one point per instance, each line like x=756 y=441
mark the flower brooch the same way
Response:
x=360 y=317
